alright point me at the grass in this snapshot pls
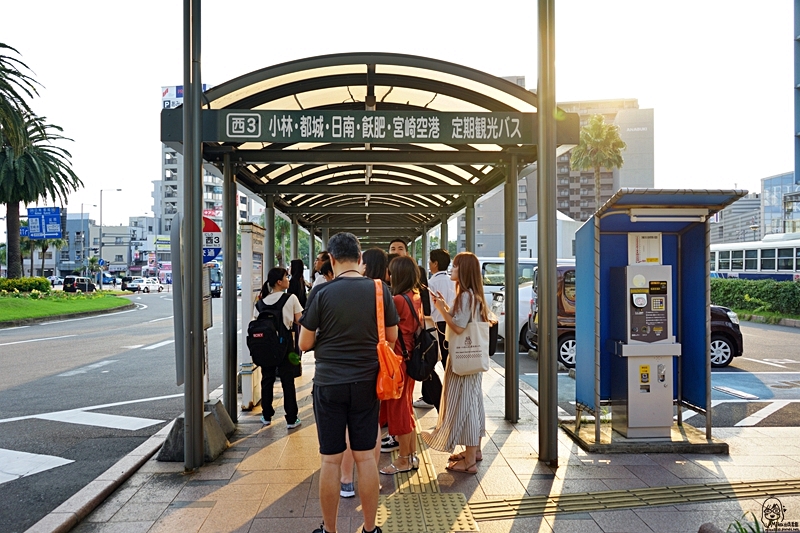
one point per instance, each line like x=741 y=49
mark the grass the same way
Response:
x=19 y=308
x=769 y=316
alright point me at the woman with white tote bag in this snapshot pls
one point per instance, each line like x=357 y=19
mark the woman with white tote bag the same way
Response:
x=461 y=414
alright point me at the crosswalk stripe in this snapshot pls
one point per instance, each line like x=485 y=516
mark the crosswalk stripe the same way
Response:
x=20 y=464
x=86 y=418
x=85 y=369
x=158 y=345
x=761 y=414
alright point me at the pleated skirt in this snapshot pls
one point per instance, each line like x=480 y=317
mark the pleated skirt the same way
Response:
x=462 y=420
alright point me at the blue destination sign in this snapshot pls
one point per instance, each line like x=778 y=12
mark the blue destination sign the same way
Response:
x=44 y=223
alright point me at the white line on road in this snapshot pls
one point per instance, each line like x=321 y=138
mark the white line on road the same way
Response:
x=20 y=464
x=87 y=368
x=87 y=317
x=163 y=318
x=158 y=345
x=763 y=362
x=761 y=414
x=16 y=327
x=132 y=347
x=93 y=407
x=130 y=423
x=37 y=340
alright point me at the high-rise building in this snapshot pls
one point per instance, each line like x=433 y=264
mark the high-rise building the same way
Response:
x=574 y=189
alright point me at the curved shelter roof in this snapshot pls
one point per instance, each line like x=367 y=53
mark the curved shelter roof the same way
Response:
x=393 y=188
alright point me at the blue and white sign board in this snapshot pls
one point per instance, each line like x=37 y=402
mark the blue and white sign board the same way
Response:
x=24 y=231
x=44 y=222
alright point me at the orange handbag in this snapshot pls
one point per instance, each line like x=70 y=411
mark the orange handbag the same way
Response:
x=390 y=375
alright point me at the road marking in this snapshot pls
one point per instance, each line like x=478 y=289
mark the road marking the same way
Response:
x=87 y=368
x=164 y=318
x=15 y=465
x=763 y=362
x=15 y=327
x=158 y=345
x=130 y=423
x=736 y=393
x=132 y=347
x=37 y=340
x=761 y=414
x=93 y=407
x=94 y=317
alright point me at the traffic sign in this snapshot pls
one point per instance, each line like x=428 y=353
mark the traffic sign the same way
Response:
x=44 y=222
x=101 y=262
x=212 y=240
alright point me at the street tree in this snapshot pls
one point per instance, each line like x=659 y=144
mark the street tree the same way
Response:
x=41 y=170
x=46 y=244
x=15 y=85
x=600 y=146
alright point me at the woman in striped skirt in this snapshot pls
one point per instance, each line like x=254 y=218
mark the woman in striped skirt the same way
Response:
x=461 y=415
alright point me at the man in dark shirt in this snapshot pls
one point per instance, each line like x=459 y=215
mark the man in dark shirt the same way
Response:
x=340 y=325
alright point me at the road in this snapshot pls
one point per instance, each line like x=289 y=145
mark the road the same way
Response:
x=761 y=388
x=77 y=395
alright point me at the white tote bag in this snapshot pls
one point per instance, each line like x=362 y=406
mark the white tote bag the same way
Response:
x=469 y=350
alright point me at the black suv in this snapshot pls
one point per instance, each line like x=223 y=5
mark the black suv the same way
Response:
x=726 y=337
x=77 y=283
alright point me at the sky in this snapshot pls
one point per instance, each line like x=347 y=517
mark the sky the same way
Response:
x=718 y=73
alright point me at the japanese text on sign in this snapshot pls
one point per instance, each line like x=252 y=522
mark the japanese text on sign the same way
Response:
x=378 y=126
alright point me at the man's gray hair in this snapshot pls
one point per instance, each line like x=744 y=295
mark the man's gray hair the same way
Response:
x=344 y=247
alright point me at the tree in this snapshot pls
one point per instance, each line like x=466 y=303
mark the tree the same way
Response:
x=94 y=265
x=45 y=245
x=599 y=146
x=40 y=171
x=14 y=85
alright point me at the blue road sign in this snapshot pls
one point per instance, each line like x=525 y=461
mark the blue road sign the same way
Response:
x=24 y=231
x=101 y=262
x=44 y=222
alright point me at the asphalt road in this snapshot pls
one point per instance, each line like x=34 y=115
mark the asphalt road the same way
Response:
x=77 y=395
x=760 y=388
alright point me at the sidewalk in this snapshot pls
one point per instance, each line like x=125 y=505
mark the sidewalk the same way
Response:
x=267 y=481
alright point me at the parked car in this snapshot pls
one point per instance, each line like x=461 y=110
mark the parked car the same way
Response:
x=726 y=337
x=78 y=283
x=151 y=285
x=135 y=285
x=55 y=280
x=125 y=281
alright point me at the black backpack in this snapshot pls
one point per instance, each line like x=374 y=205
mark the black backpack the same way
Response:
x=425 y=352
x=268 y=338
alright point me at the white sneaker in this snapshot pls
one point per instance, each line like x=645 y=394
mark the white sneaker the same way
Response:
x=422 y=404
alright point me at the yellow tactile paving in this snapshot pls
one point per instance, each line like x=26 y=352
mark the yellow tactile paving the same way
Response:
x=425 y=513
x=623 y=499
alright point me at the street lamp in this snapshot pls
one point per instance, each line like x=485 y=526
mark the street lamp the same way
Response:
x=83 y=240
x=754 y=227
x=101 y=233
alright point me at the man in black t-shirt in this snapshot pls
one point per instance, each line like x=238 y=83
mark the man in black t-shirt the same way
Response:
x=340 y=325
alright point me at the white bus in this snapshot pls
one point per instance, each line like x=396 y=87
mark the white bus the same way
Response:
x=776 y=257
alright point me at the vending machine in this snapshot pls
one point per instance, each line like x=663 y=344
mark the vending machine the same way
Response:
x=643 y=343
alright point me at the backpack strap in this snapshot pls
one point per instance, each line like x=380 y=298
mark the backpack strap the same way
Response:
x=411 y=308
x=277 y=306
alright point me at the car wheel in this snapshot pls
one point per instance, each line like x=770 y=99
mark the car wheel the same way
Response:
x=526 y=338
x=566 y=350
x=160 y=289
x=147 y=289
x=721 y=351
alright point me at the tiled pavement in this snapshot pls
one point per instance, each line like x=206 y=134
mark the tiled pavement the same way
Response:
x=267 y=480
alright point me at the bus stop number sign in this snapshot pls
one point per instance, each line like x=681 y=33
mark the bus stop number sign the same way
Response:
x=212 y=240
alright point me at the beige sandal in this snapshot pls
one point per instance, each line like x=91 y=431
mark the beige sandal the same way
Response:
x=460 y=457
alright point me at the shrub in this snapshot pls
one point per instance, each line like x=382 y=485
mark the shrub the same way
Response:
x=757 y=295
x=24 y=284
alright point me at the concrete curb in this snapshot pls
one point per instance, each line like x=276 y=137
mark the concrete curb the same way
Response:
x=69 y=514
x=38 y=320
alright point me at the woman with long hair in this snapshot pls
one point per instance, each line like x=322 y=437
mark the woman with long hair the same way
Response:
x=462 y=420
x=297 y=286
x=399 y=413
x=376 y=264
x=272 y=291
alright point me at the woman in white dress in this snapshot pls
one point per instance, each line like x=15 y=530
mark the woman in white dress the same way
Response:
x=461 y=414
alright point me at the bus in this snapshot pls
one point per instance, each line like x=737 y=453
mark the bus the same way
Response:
x=776 y=257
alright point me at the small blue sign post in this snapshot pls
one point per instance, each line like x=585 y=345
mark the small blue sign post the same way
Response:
x=44 y=223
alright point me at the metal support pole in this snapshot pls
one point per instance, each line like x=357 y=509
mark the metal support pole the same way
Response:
x=511 y=333
x=548 y=371
x=424 y=243
x=312 y=253
x=294 y=248
x=192 y=233
x=269 y=236
x=443 y=234
x=230 y=363
x=326 y=234
x=100 y=240
x=469 y=215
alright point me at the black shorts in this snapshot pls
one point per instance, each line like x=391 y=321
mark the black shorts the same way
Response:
x=354 y=406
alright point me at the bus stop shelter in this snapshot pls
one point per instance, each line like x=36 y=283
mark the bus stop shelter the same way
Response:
x=380 y=145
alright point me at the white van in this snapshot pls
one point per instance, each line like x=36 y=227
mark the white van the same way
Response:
x=493 y=271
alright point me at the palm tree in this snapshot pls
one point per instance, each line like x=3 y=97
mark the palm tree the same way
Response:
x=45 y=245
x=41 y=170
x=14 y=85
x=600 y=146
x=94 y=265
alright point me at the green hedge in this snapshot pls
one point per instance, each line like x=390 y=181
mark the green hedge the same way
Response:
x=757 y=295
x=24 y=284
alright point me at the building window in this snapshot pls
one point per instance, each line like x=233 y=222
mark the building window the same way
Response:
x=523 y=189
x=242 y=214
x=96 y=241
x=523 y=243
x=118 y=258
x=523 y=202
x=480 y=245
x=118 y=240
x=65 y=255
x=479 y=232
x=243 y=200
x=522 y=215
